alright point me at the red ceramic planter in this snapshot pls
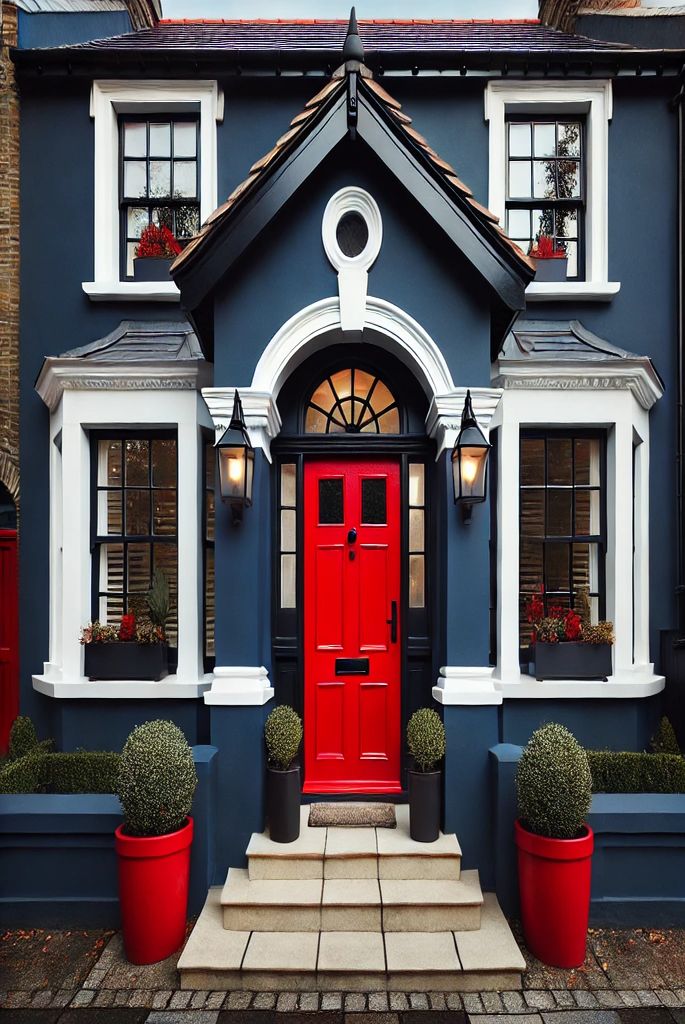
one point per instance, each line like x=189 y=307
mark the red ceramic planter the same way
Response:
x=153 y=892
x=554 y=886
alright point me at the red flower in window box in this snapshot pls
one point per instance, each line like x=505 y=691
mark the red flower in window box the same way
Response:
x=127 y=629
x=545 y=249
x=157 y=242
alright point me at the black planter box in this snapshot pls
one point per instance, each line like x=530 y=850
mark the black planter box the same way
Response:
x=570 y=660
x=151 y=268
x=424 y=805
x=126 y=661
x=554 y=269
x=283 y=804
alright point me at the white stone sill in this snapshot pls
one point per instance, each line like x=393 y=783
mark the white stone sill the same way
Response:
x=82 y=688
x=582 y=291
x=131 y=291
x=624 y=686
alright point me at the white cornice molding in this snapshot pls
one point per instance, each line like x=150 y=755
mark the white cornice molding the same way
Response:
x=58 y=375
x=444 y=413
x=262 y=418
x=635 y=375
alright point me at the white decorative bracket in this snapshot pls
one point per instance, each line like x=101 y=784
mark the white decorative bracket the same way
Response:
x=444 y=413
x=239 y=685
x=466 y=685
x=262 y=418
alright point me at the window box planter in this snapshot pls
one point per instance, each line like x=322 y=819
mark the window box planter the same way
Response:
x=151 y=268
x=554 y=269
x=571 y=660
x=125 y=660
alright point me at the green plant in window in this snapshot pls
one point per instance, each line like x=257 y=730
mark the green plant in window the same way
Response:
x=159 y=599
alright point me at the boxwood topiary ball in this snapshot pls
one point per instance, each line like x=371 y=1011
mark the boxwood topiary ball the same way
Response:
x=283 y=735
x=426 y=739
x=554 y=784
x=156 y=780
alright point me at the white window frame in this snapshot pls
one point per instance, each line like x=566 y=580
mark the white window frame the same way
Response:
x=82 y=398
x=108 y=100
x=594 y=100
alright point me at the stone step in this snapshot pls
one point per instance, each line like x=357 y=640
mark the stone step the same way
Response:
x=354 y=853
x=462 y=961
x=344 y=904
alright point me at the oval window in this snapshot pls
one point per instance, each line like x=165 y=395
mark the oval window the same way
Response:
x=352 y=234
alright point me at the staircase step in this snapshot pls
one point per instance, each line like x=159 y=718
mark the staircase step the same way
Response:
x=351 y=905
x=430 y=905
x=351 y=853
x=271 y=905
x=217 y=959
x=401 y=857
x=302 y=859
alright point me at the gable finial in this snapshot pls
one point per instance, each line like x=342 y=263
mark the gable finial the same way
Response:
x=352 y=48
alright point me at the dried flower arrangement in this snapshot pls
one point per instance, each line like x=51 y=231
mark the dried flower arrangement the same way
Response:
x=564 y=625
x=150 y=630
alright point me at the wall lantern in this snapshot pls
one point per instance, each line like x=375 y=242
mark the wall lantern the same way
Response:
x=236 y=463
x=469 y=462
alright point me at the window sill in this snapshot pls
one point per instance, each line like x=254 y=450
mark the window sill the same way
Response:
x=624 y=685
x=81 y=688
x=584 y=291
x=131 y=291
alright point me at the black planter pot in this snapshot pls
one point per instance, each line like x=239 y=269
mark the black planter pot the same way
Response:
x=571 y=660
x=424 y=805
x=283 y=804
x=554 y=269
x=151 y=268
x=126 y=661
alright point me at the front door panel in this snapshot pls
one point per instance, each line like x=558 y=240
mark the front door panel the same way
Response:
x=352 y=645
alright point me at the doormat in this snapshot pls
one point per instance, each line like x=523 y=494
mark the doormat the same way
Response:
x=352 y=815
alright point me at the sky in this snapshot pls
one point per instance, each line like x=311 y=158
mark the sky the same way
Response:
x=341 y=8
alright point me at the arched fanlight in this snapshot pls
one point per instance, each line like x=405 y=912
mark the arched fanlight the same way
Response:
x=236 y=463
x=470 y=462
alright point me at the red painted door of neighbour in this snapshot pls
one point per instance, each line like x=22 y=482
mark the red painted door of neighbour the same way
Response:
x=9 y=635
x=351 y=626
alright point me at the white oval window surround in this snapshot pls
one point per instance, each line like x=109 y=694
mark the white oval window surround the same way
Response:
x=352 y=229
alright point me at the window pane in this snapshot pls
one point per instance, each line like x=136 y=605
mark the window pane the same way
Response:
x=135 y=179
x=559 y=513
x=585 y=572
x=288 y=527
x=544 y=179
x=389 y=423
x=163 y=216
x=587 y=451
x=518 y=223
x=110 y=609
x=342 y=382
x=416 y=581
x=185 y=178
x=519 y=139
x=323 y=396
x=288 y=484
x=160 y=178
x=587 y=513
x=185 y=138
x=109 y=463
x=331 y=501
x=210 y=515
x=569 y=179
x=135 y=138
x=164 y=512
x=137 y=221
x=559 y=462
x=138 y=563
x=362 y=383
x=566 y=223
x=532 y=460
x=519 y=178
x=531 y=561
x=164 y=558
x=111 y=568
x=137 y=513
x=110 y=514
x=164 y=463
x=373 y=501
x=542 y=222
x=416 y=534
x=160 y=139
x=288 y=580
x=210 y=465
x=137 y=462
x=315 y=422
x=209 y=602
x=569 y=139
x=533 y=513
x=416 y=483
x=187 y=221
x=130 y=256
x=557 y=567
x=544 y=139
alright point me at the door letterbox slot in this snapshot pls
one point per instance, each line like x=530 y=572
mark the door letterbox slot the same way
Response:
x=351 y=666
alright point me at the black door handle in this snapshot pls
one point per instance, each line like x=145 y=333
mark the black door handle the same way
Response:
x=352 y=535
x=392 y=622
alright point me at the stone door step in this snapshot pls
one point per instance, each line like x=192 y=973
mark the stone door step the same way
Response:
x=451 y=960
x=344 y=852
x=360 y=904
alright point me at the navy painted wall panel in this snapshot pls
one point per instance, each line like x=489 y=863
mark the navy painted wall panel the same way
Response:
x=62 y=29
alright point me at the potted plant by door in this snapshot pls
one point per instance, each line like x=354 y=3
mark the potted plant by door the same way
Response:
x=156 y=783
x=134 y=649
x=552 y=262
x=426 y=742
x=154 y=254
x=565 y=644
x=555 y=844
x=283 y=735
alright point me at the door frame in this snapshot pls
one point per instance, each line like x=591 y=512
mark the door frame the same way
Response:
x=405 y=448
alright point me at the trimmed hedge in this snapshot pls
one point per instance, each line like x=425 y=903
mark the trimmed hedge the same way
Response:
x=627 y=771
x=81 y=771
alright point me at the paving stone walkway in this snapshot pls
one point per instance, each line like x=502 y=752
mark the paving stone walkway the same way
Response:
x=81 y=977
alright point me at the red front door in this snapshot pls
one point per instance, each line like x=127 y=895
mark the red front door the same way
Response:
x=9 y=635
x=351 y=626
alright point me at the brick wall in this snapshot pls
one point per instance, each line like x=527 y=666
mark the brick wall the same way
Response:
x=9 y=256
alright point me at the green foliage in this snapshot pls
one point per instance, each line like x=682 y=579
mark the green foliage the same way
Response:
x=283 y=735
x=157 y=779
x=23 y=737
x=554 y=783
x=24 y=775
x=81 y=771
x=159 y=599
x=627 y=771
x=426 y=739
x=664 y=739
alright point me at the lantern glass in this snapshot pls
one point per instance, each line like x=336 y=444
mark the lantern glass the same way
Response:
x=469 y=466
x=236 y=471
